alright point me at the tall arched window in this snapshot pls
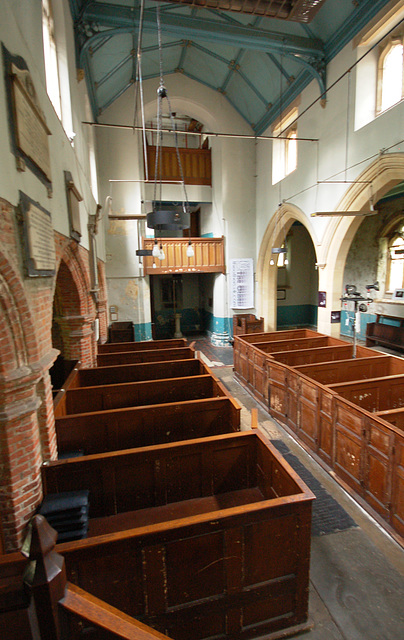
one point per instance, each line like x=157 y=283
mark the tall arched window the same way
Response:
x=51 y=58
x=284 y=150
x=56 y=63
x=390 y=75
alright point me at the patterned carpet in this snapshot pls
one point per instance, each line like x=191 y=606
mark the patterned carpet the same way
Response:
x=328 y=516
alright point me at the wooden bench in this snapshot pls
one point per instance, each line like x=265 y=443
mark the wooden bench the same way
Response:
x=148 y=355
x=185 y=532
x=247 y=323
x=144 y=345
x=103 y=431
x=132 y=394
x=389 y=334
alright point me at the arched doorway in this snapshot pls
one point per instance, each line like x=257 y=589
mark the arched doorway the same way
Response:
x=383 y=174
x=289 y=219
x=297 y=281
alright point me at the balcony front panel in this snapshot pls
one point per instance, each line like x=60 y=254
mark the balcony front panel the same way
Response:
x=196 y=165
x=208 y=258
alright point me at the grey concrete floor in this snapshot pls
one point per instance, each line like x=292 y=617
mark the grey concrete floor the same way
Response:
x=356 y=575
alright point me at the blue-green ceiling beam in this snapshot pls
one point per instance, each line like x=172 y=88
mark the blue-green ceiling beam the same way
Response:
x=111 y=72
x=115 y=96
x=126 y=18
x=252 y=87
x=237 y=61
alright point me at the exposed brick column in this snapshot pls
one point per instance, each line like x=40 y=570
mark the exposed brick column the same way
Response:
x=102 y=304
x=78 y=338
x=46 y=418
x=20 y=453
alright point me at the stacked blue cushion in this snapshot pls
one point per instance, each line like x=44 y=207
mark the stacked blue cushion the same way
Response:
x=67 y=513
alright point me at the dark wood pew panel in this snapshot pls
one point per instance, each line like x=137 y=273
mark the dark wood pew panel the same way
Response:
x=317 y=354
x=287 y=334
x=353 y=369
x=393 y=416
x=374 y=394
x=299 y=343
x=348 y=412
x=141 y=371
x=103 y=431
x=206 y=526
x=144 y=345
x=133 y=394
x=389 y=335
x=151 y=355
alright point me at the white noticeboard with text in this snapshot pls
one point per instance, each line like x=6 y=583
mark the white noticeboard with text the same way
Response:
x=242 y=283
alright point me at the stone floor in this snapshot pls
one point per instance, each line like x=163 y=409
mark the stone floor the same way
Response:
x=357 y=569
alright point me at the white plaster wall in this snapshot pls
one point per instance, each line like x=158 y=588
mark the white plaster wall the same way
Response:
x=341 y=153
x=329 y=125
x=232 y=209
x=21 y=33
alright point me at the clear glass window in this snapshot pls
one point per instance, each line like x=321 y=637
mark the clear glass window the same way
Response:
x=396 y=262
x=390 y=76
x=51 y=59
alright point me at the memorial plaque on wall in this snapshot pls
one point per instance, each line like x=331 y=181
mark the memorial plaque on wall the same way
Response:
x=242 y=283
x=38 y=238
x=28 y=130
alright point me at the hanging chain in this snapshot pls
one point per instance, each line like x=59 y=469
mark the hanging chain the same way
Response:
x=161 y=94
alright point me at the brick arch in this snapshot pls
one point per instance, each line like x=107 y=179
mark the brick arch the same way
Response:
x=73 y=308
x=20 y=446
x=69 y=254
x=17 y=334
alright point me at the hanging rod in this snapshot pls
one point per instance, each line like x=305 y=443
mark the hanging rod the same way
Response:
x=197 y=133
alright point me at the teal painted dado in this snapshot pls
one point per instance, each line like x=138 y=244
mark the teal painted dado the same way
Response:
x=296 y=315
x=346 y=323
x=143 y=331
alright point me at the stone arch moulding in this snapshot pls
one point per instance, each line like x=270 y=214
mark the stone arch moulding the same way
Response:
x=275 y=232
x=76 y=320
x=379 y=177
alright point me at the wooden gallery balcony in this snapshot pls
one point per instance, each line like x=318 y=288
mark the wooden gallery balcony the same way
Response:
x=208 y=258
x=196 y=165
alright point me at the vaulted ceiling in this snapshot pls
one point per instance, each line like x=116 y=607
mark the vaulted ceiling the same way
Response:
x=257 y=53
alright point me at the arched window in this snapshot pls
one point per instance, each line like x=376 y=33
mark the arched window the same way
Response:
x=395 y=264
x=56 y=63
x=284 y=150
x=390 y=75
x=291 y=151
x=51 y=58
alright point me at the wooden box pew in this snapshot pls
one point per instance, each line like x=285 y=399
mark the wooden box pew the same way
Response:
x=269 y=336
x=392 y=416
x=144 y=345
x=297 y=344
x=369 y=458
x=243 y=348
x=111 y=430
x=133 y=394
x=119 y=374
x=321 y=354
x=209 y=538
x=353 y=369
x=150 y=355
x=373 y=394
